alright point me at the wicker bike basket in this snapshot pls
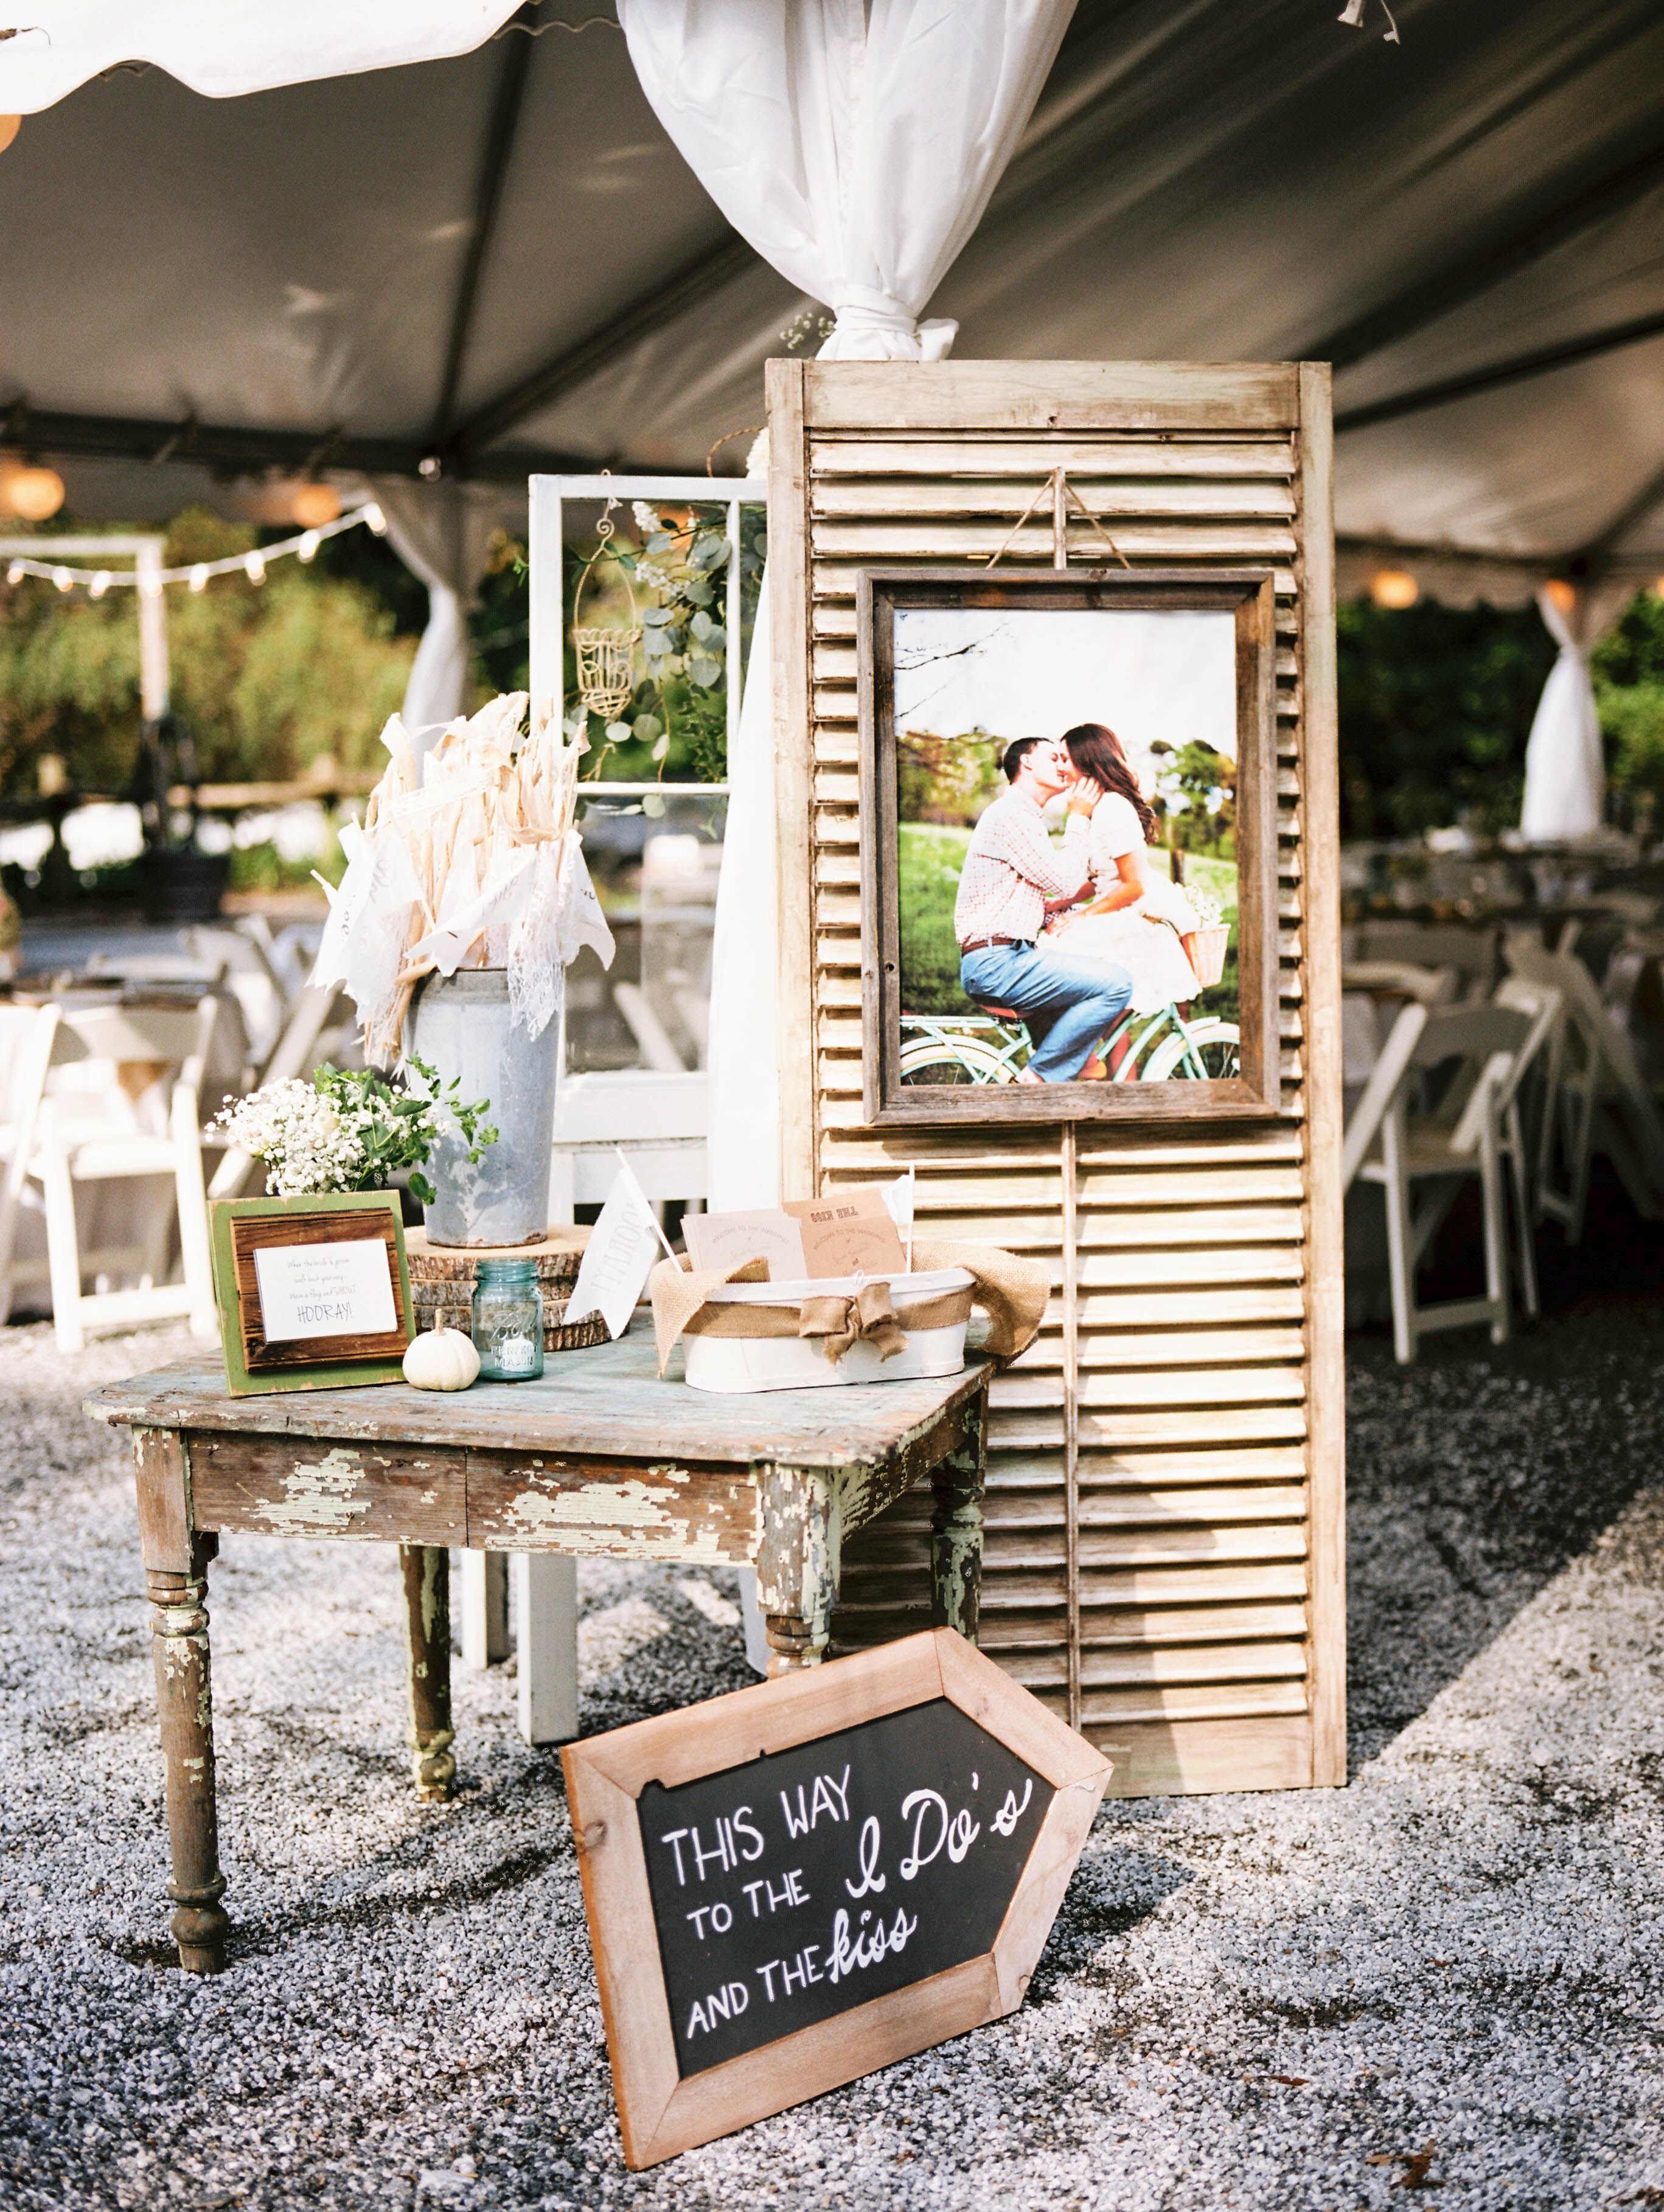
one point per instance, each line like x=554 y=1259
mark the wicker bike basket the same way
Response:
x=1205 y=949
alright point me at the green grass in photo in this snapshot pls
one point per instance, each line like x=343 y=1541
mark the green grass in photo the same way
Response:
x=929 y=859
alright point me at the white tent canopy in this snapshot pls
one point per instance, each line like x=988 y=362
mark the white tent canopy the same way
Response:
x=498 y=260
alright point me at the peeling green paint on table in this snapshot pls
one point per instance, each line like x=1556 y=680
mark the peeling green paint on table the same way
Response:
x=600 y=1458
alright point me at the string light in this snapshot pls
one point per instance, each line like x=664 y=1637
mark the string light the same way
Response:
x=1561 y=594
x=9 y=126
x=252 y=566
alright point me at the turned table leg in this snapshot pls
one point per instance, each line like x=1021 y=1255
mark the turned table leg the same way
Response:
x=956 y=1538
x=798 y=1564
x=427 y=1573
x=184 y=1704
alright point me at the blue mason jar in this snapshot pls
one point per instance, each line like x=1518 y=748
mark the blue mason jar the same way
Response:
x=508 y=1321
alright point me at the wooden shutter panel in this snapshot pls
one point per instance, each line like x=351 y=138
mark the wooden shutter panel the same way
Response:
x=1163 y=1561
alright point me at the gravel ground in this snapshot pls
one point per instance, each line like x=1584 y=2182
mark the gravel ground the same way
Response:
x=1445 y=1979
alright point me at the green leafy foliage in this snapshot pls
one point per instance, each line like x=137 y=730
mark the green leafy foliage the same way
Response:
x=947 y=780
x=674 y=727
x=1435 y=706
x=929 y=857
x=268 y=677
x=1629 y=688
x=1196 y=794
x=399 y=1127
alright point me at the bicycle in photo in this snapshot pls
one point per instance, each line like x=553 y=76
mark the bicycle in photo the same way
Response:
x=1164 y=1046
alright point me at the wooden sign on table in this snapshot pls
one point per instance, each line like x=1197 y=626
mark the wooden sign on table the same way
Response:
x=798 y=1883
x=312 y=1293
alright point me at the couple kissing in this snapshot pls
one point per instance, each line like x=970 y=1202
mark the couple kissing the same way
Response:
x=1060 y=932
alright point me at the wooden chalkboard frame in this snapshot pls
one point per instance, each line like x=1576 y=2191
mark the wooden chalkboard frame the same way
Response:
x=1248 y=595
x=660 y=2112
x=238 y=1225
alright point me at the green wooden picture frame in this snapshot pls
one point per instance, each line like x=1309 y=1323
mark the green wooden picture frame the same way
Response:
x=323 y=1363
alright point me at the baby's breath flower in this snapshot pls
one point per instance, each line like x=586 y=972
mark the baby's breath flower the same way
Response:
x=305 y=1144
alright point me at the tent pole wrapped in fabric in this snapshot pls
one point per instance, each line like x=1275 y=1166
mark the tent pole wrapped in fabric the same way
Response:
x=854 y=143
x=1565 y=776
x=441 y=532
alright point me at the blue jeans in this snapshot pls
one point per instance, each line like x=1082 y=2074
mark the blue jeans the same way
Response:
x=1068 y=1004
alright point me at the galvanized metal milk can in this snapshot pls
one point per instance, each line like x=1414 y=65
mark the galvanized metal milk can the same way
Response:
x=460 y=1025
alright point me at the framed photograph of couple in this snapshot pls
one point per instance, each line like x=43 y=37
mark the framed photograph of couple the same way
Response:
x=1069 y=845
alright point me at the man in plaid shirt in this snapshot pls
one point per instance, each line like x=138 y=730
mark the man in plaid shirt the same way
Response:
x=1014 y=876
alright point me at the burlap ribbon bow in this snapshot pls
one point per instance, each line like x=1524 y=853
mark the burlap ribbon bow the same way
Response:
x=840 y=1321
x=1012 y=1290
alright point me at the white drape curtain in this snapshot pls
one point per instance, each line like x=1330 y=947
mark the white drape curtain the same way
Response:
x=854 y=143
x=224 y=48
x=741 y=1059
x=1565 y=777
x=442 y=533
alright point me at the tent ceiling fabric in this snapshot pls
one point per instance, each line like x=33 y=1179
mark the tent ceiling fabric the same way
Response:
x=1199 y=181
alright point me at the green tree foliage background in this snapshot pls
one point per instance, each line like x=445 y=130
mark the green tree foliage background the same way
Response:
x=1437 y=704
x=268 y=677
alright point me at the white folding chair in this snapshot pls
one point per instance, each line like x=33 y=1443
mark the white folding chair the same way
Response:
x=1457 y=1138
x=1472 y=952
x=245 y=966
x=27 y=1037
x=298 y=1051
x=658 y=1119
x=1600 y=1101
x=143 y=1121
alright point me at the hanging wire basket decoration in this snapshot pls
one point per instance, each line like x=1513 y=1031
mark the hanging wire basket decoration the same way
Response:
x=606 y=658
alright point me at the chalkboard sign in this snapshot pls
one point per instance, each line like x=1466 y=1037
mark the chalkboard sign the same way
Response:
x=792 y=1886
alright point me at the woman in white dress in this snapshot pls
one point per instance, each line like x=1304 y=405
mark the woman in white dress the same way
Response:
x=1138 y=917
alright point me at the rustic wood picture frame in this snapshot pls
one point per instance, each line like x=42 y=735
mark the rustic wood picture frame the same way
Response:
x=237 y=1227
x=1248 y=595
x=662 y=2113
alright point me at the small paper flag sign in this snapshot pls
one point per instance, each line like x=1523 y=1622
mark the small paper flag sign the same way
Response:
x=901 y=1197
x=622 y=1249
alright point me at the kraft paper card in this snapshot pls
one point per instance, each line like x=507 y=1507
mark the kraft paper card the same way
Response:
x=718 y=1242
x=849 y=1232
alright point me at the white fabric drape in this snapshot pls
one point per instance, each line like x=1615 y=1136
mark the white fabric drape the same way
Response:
x=854 y=142
x=1565 y=776
x=224 y=48
x=855 y=146
x=441 y=532
x=742 y=1064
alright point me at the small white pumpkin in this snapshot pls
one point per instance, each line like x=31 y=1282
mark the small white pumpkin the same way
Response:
x=441 y=1359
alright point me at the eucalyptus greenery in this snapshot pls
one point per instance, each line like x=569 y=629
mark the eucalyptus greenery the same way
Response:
x=679 y=712
x=398 y=1128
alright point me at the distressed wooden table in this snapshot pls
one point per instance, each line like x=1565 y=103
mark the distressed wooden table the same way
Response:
x=600 y=1457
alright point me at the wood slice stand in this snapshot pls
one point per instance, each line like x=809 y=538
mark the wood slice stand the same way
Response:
x=442 y=1284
